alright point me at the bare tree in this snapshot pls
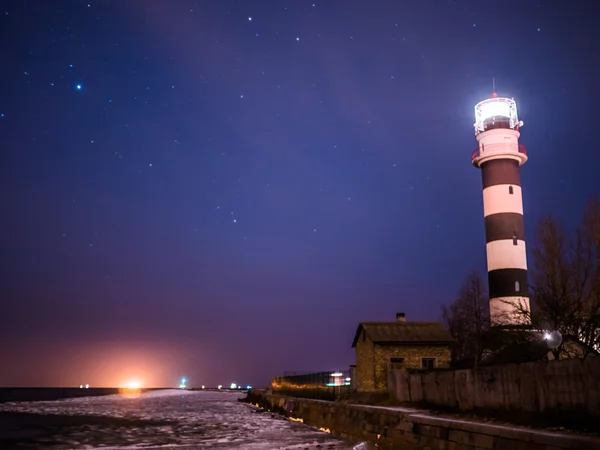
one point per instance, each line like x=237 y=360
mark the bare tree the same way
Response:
x=566 y=280
x=467 y=319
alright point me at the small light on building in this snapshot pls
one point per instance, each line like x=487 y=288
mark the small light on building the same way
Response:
x=337 y=374
x=220 y=386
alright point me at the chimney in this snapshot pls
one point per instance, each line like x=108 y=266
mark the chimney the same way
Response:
x=400 y=317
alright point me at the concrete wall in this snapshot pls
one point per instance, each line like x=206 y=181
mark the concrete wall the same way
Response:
x=545 y=386
x=410 y=429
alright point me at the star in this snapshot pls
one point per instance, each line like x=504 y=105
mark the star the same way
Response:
x=249 y=19
x=297 y=38
x=78 y=87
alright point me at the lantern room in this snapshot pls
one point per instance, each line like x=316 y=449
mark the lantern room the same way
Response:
x=496 y=112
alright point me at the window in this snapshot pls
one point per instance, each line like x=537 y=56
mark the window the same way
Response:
x=510 y=190
x=514 y=239
x=396 y=363
x=517 y=286
x=428 y=363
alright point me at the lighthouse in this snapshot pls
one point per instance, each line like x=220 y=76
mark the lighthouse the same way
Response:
x=500 y=156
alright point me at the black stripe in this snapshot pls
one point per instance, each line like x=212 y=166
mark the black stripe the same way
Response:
x=500 y=171
x=504 y=226
x=501 y=283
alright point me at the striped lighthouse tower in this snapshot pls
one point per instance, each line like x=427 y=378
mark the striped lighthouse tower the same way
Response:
x=499 y=156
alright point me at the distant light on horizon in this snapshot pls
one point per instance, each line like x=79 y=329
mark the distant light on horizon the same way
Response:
x=232 y=386
x=133 y=384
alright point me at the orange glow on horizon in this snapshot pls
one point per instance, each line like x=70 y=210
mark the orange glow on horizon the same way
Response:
x=132 y=384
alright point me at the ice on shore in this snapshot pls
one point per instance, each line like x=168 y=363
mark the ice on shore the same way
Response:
x=170 y=419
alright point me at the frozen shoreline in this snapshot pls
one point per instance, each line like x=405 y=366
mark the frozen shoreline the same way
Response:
x=160 y=419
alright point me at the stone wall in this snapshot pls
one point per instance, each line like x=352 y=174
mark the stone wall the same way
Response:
x=373 y=361
x=410 y=429
x=365 y=364
x=565 y=385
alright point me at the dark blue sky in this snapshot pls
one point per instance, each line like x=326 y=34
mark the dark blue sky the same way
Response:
x=226 y=198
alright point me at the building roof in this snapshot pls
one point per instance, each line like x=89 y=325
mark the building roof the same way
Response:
x=404 y=333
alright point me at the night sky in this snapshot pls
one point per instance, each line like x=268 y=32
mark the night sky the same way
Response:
x=223 y=189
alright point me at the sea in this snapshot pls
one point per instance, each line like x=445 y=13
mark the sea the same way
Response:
x=152 y=420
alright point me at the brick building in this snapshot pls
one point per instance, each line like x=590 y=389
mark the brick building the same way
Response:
x=384 y=346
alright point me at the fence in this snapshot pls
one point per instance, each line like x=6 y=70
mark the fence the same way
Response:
x=566 y=384
x=321 y=385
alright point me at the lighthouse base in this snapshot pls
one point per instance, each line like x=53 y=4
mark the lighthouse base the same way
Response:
x=513 y=344
x=510 y=311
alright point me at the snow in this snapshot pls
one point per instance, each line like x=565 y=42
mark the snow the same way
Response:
x=169 y=419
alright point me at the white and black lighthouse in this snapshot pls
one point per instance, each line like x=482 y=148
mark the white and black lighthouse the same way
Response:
x=499 y=156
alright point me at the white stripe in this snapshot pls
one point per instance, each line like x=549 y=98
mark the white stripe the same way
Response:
x=498 y=199
x=504 y=254
x=509 y=310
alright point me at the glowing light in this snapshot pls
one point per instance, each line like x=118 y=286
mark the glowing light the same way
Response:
x=219 y=386
x=337 y=374
x=81 y=386
x=78 y=87
x=233 y=386
x=202 y=386
x=87 y=386
x=248 y=387
x=133 y=384
x=183 y=380
x=493 y=109
x=348 y=379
